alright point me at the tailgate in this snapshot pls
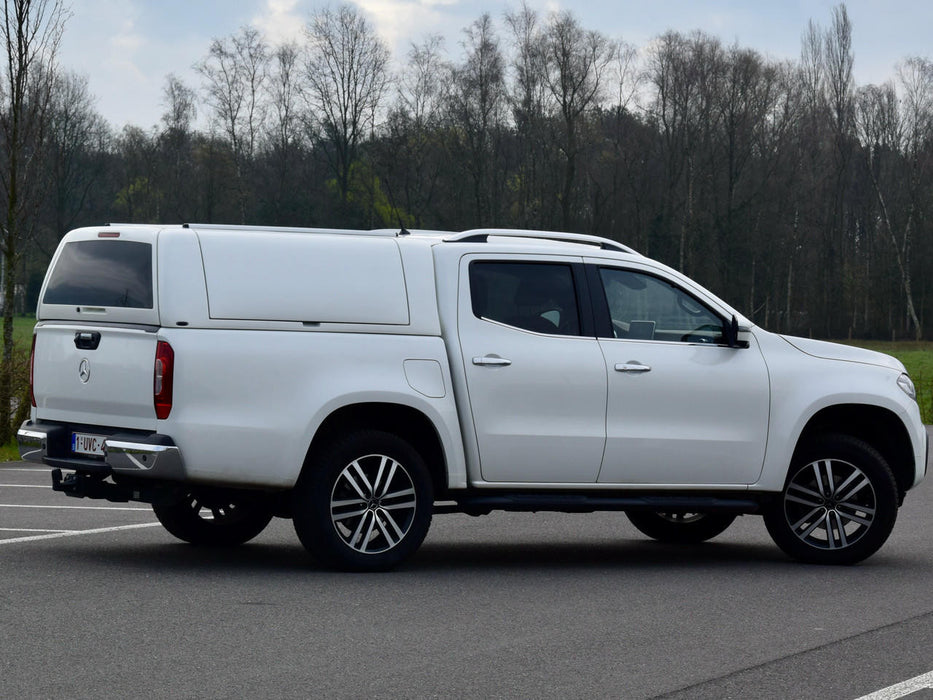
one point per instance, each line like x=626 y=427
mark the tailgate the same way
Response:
x=95 y=375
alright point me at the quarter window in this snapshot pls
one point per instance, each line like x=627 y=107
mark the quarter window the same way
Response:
x=644 y=307
x=536 y=297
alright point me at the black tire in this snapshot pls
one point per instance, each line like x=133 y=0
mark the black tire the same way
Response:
x=212 y=521
x=680 y=528
x=839 y=503
x=364 y=503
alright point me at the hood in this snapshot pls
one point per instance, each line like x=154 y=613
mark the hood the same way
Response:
x=845 y=353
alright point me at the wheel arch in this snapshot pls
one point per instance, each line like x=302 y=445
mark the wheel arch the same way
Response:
x=877 y=426
x=404 y=421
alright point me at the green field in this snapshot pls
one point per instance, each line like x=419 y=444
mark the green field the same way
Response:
x=22 y=329
x=22 y=339
x=917 y=357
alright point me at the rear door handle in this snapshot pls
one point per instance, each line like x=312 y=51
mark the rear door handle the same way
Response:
x=491 y=361
x=633 y=367
x=87 y=340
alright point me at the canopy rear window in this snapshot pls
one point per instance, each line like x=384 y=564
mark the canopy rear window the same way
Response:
x=103 y=273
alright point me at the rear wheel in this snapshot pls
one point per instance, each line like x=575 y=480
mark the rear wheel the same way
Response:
x=839 y=503
x=213 y=520
x=365 y=503
x=680 y=528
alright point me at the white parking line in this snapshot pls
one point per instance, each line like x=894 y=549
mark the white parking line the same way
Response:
x=30 y=529
x=18 y=505
x=24 y=486
x=901 y=690
x=37 y=470
x=75 y=533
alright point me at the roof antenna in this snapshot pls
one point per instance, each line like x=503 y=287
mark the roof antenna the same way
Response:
x=402 y=230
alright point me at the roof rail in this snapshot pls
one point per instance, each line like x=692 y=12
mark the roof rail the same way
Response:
x=296 y=229
x=481 y=235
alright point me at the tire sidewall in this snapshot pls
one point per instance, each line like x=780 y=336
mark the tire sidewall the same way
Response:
x=183 y=522
x=856 y=452
x=656 y=526
x=312 y=504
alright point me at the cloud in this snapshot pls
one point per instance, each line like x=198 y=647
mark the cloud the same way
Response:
x=399 y=23
x=280 y=21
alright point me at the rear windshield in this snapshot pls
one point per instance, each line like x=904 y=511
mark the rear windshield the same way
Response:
x=102 y=273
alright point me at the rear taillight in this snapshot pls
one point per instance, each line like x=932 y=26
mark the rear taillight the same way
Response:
x=32 y=372
x=162 y=379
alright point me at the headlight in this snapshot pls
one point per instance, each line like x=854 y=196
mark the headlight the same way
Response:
x=907 y=386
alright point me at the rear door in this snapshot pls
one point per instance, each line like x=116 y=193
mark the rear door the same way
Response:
x=535 y=373
x=96 y=338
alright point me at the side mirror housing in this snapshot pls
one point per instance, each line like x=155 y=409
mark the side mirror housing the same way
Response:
x=736 y=336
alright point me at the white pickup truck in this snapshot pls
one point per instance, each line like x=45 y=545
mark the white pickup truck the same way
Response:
x=360 y=381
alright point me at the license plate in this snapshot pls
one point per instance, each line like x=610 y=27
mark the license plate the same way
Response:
x=86 y=444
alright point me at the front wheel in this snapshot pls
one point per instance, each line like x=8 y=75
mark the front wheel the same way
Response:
x=839 y=503
x=680 y=528
x=214 y=521
x=364 y=503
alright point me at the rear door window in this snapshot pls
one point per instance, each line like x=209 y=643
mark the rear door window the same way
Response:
x=105 y=273
x=538 y=297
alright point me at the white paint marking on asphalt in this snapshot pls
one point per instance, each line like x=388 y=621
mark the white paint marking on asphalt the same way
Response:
x=18 y=505
x=24 y=486
x=901 y=690
x=31 y=529
x=36 y=470
x=75 y=533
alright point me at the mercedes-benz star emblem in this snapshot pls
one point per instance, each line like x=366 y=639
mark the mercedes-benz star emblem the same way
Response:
x=84 y=371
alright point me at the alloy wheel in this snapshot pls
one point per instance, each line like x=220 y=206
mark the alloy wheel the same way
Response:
x=373 y=504
x=830 y=504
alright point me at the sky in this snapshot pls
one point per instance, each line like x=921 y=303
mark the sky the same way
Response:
x=126 y=48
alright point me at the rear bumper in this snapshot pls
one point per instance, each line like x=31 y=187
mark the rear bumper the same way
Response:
x=148 y=456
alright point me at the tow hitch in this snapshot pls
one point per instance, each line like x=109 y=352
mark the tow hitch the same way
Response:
x=79 y=485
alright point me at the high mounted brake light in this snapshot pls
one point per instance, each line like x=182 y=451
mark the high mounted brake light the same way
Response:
x=163 y=376
x=108 y=234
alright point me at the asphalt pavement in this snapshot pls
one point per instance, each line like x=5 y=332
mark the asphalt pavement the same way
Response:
x=98 y=601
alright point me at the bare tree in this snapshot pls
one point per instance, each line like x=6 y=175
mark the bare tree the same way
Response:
x=78 y=138
x=283 y=136
x=175 y=143
x=529 y=97
x=180 y=104
x=32 y=31
x=838 y=59
x=420 y=85
x=282 y=91
x=235 y=71
x=409 y=152
x=838 y=63
x=683 y=72
x=347 y=75
x=896 y=137
x=576 y=61
x=141 y=193
x=812 y=68
x=476 y=105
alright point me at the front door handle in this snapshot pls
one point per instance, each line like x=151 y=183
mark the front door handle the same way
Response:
x=491 y=361
x=633 y=367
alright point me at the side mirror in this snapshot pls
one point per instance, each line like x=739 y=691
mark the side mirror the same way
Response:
x=735 y=337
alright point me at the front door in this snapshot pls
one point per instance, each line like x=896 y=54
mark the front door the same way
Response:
x=684 y=408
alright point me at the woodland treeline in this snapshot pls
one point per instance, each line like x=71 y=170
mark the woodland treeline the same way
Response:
x=799 y=196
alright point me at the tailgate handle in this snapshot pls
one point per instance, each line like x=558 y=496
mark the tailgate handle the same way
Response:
x=87 y=340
